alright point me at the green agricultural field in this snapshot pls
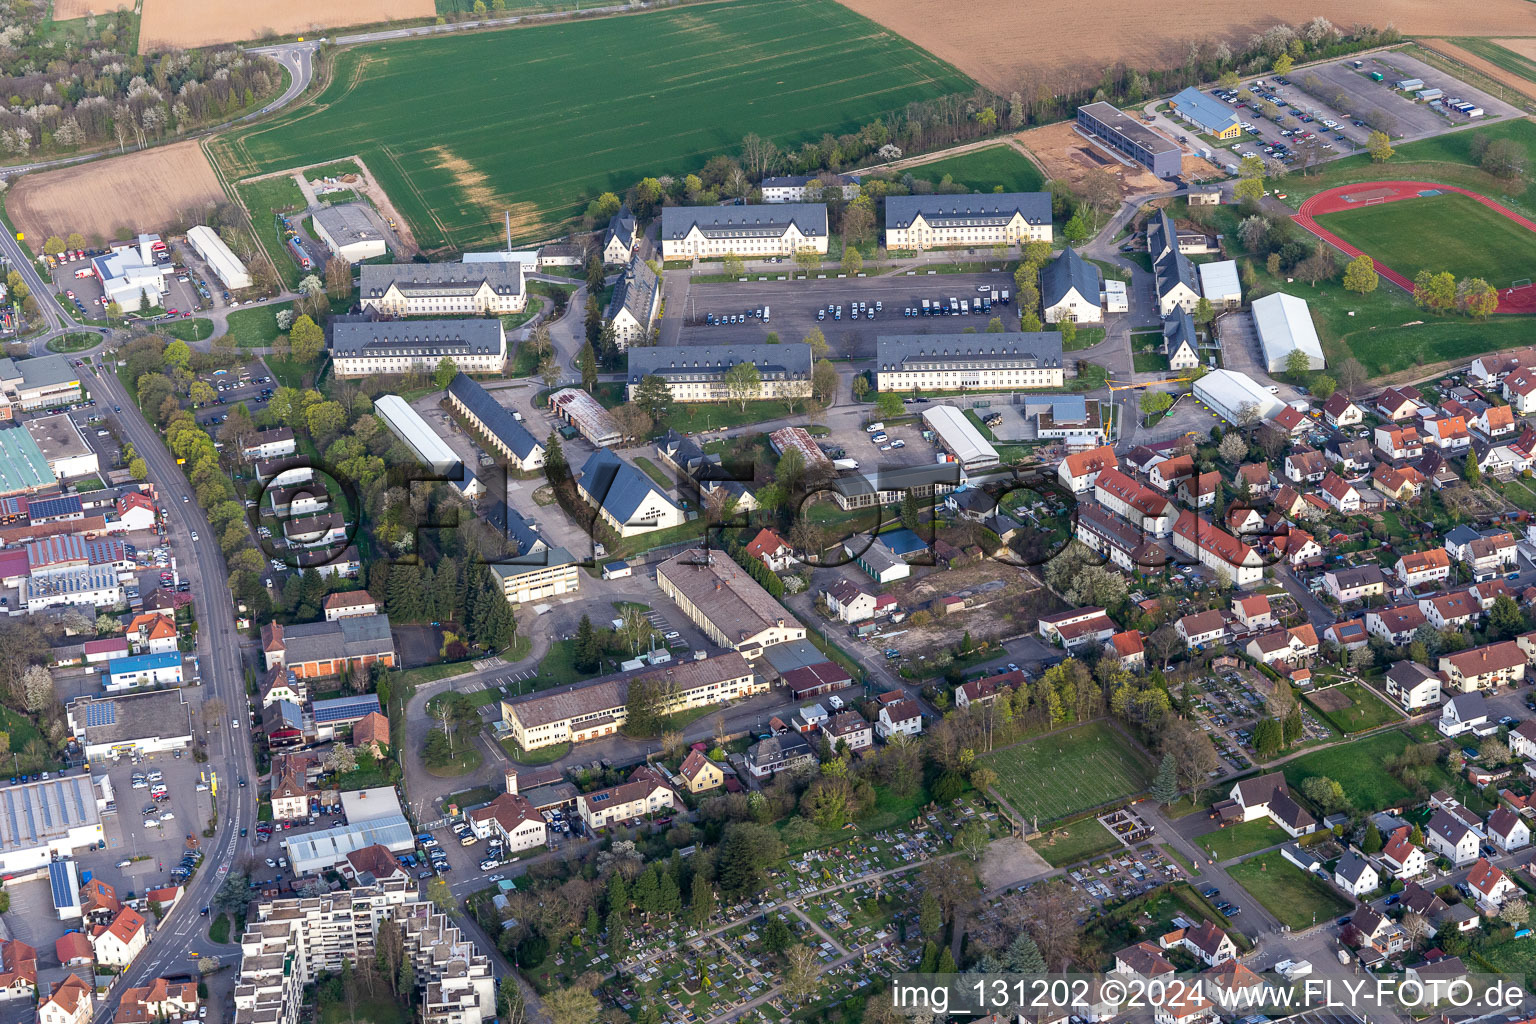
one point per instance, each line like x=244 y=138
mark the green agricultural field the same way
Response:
x=1359 y=767
x=1499 y=57
x=984 y=170
x=574 y=113
x=1445 y=232
x=1067 y=772
x=1297 y=899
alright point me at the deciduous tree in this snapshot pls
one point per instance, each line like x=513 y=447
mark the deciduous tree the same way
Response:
x=1360 y=275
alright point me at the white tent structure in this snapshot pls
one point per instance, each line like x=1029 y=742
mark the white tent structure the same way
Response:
x=1284 y=324
x=225 y=264
x=416 y=432
x=1227 y=392
x=962 y=439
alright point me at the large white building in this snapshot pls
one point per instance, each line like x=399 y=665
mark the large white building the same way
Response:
x=731 y=607
x=697 y=373
x=43 y=820
x=289 y=943
x=798 y=188
x=352 y=231
x=62 y=443
x=442 y=289
x=130 y=275
x=225 y=265
x=96 y=586
x=417 y=433
x=968 y=362
x=1229 y=394
x=962 y=439
x=143 y=723
x=712 y=232
x=937 y=221
x=635 y=302
x=360 y=348
x=1284 y=324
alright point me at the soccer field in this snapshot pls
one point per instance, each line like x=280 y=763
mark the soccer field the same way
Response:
x=539 y=120
x=1062 y=774
x=1445 y=232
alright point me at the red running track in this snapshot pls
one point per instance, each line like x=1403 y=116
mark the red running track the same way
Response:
x=1332 y=201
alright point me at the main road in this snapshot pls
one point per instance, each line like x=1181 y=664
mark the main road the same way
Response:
x=223 y=676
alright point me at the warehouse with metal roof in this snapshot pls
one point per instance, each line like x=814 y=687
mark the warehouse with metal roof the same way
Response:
x=224 y=264
x=417 y=433
x=43 y=820
x=147 y=723
x=1228 y=393
x=962 y=439
x=23 y=466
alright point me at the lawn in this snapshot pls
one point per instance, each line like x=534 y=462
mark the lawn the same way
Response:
x=264 y=200
x=1055 y=776
x=372 y=1011
x=1238 y=840
x=1077 y=842
x=1357 y=766
x=989 y=169
x=256 y=327
x=218 y=931
x=1296 y=898
x=788 y=70
x=692 y=419
x=1365 y=710
x=73 y=342
x=1149 y=362
x=541 y=755
x=1449 y=231
x=195 y=329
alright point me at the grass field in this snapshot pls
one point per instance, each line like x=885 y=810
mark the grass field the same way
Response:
x=1240 y=839
x=1077 y=842
x=256 y=327
x=1445 y=232
x=989 y=169
x=1357 y=766
x=1059 y=775
x=263 y=200
x=570 y=124
x=1365 y=710
x=1297 y=899
x=74 y=342
x=1499 y=56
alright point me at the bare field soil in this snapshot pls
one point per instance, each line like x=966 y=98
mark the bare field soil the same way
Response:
x=999 y=42
x=1523 y=86
x=68 y=10
x=1001 y=601
x=142 y=191
x=169 y=24
x=1067 y=156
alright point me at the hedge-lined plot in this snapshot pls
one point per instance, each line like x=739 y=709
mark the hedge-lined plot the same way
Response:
x=1059 y=775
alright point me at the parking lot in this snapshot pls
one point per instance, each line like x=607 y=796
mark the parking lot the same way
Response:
x=84 y=293
x=249 y=384
x=793 y=306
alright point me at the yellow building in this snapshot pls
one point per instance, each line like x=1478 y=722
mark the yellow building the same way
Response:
x=940 y=221
x=731 y=607
x=700 y=773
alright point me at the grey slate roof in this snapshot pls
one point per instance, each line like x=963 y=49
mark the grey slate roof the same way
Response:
x=1351 y=867
x=636 y=292
x=351 y=637
x=710 y=362
x=1178 y=329
x=1066 y=272
x=379 y=338
x=1169 y=266
x=348 y=223
x=769 y=220
x=1033 y=350
x=441 y=278
x=621 y=226
x=616 y=484
x=962 y=211
x=493 y=415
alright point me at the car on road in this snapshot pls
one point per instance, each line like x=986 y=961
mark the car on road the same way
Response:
x=194 y=536
x=1211 y=892
x=124 y=863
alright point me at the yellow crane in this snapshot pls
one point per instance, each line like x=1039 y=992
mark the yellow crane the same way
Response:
x=1147 y=384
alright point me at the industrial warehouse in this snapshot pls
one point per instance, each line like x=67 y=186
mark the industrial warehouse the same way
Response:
x=417 y=434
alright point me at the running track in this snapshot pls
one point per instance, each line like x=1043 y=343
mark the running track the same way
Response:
x=1332 y=201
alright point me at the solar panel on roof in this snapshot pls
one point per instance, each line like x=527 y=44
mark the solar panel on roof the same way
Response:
x=60 y=878
x=331 y=711
x=100 y=714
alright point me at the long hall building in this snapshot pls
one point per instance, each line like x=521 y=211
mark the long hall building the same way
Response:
x=940 y=221
x=968 y=362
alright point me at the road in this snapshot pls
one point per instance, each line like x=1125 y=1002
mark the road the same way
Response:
x=219 y=661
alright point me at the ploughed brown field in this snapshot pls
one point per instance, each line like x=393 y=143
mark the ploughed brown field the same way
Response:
x=68 y=10
x=1007 y=44
x=142 y=191
x=169 y=24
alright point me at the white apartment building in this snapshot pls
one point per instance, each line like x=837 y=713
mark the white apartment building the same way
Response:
x=968 y=362
x=712 y=232
x=936 y=221
x=696 y=373
x=442 y=289
x=291 y=941
x=364 y=347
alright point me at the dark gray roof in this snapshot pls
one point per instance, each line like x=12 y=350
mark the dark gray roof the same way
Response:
x=1066 y=272
x=1470 y=706
x=621 y=226
x=636 y=292
x=724 y=222
x=1409 y=674
x=1033 y=350
x=615 y=484
x=1169 y=266
x=776 y=750
x=961 y=211
x=379 y=338
x=349 y=222
x=441 y=278
x=493 y=415
x=710 y=362
x=351 y=637
x=684 y=453
x=1177 y=329
x=133 y=716
x=1351 y=867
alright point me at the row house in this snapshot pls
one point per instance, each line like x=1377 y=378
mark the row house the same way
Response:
x=1395 y=625
x=1291 y=646
x=1138 y=504
x=1079 y=470
x=1484 y=668
x=1419 y=567
x=1484 y=553
x=1399 y=444
x=1114 y=538
x=1340 y=495
x=1305 y=466
x=1077 y=628
x=1217 y=550
x=1398 y=404
x=1356 y=584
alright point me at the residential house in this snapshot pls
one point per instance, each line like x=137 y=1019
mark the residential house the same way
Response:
x=1356 y=584
x=18 y=970
x=1205 y=941
x=1217 y=550
x=699 y=773
x=850 y=602
x=1399 y=444
x=1181 y=344
x=1290 y=421
x=1256 y=476
x=1395 y=625
x=74 y=950
x=1143 y=960
x=1200 y=491
x=1253 y=611
x=69 y=1003
x=1483 y=668
x=1351 y=456
x=1124 y=544
x=1268 y=795
x=1340 y=495
x=1491 y=885
x=899 y=718
x=1305 y=466
x=160 y=1000
x=1402 y=857
x=1508 y=830
x=1419 y=567
x=1450 y=837
x=1403 y=483
x=1519 y=390
x=1378 y=931
x=848 y=727
x=1232 y=986
x=1202 y=628
x=1141 y=506
x=987 y=689
x=1340 y=411
x=1484 y=553
x=627 y=802
x=1165 y=475
x=1465 y=712
x=1291 y=646
x=122 y=940
x=786 y=752
x=1450 y=610
x=1412 y=686
x=1355 y=875
x=1488 y=369
x=1350 y=634
x=1398 y=404
x=1522 y=740
x=1128 y=649
x=1078 y=471
x=372 y=864
x=1449 y=434
x=1077 y=628
x=1494 y=422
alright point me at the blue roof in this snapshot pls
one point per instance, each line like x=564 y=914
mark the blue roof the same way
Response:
x=493 y=416
x=616 y=485
x=903 y=541
x=1065 y=272
x=46 y=508
x=340 y=708
x=143 y=662
x=62 y=878
x=1211 y=114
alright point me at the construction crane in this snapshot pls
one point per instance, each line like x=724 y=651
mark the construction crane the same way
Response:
x=1147 y=384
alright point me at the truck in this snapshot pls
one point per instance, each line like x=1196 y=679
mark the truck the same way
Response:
x=1290 y=970
x=925 y=307
x=996 y=295
x=1005 y=296
x=1377 y=76
x=849 y=464
x=765 y=314
x=874 y=428
x=954 y=306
